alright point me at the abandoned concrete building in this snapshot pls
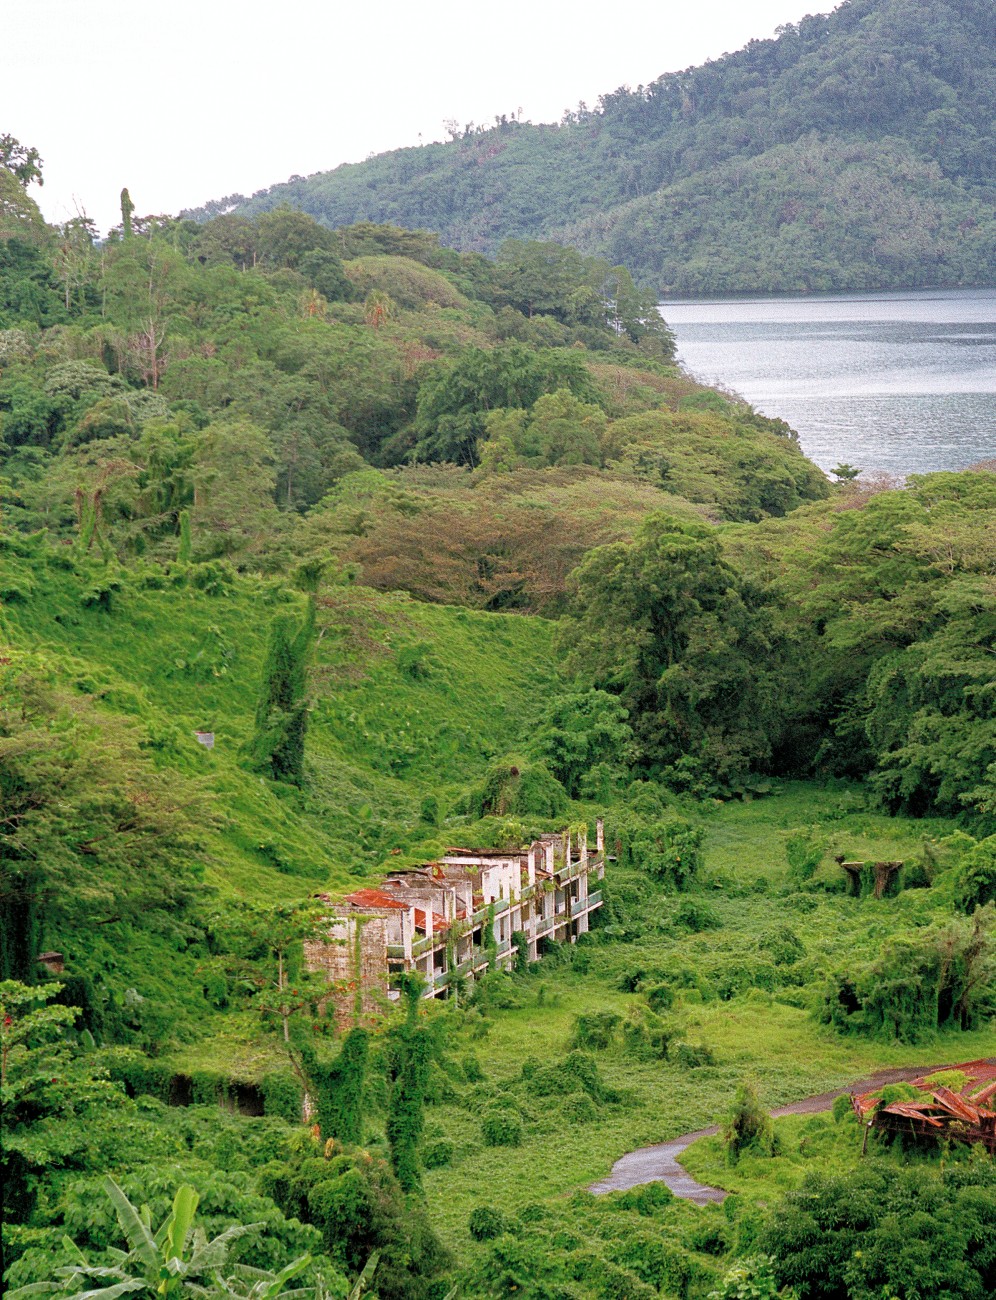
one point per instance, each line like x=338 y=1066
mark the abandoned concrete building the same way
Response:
x=451 y=919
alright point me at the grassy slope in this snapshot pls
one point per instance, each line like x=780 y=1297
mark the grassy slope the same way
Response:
x=380 y=737
x=178 y=659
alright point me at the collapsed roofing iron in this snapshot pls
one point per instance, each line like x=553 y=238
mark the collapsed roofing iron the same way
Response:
x=964 y=1116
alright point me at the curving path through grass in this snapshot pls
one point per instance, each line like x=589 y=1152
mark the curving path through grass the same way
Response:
x=659 y=1163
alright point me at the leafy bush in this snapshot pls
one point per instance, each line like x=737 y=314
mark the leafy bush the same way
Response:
x=783 y=944
x=752 y=1278
x=518 y=787
x=646 y=1035
x=580 y=731
x=695 y=916
x=842 y=1108
x=437 y=1154
x=660 y=997
x=748 y=1126
x=576 y=1072
x=886 y=1230
x=596 y=1030
x=975 y=876
x=929 y=981
x=804 y=849
x=579 y=1108
x=501 y=1129
x=694 y=1055
x=485 y=1223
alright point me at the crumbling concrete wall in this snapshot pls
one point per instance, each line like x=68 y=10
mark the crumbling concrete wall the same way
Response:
x=353 y=959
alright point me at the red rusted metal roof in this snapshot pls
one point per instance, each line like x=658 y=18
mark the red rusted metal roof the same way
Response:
x=910 y=1110
x=374 y=898
x=961 y=1113
x=377 y=898
x=956 y=1105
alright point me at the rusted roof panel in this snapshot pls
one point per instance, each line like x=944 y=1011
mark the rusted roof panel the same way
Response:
x=374 y=898
x=957 y=1105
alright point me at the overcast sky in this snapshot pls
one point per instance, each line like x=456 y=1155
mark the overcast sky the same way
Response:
x=194 y=99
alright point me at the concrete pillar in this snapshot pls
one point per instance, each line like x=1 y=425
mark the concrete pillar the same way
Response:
x=407 y=933
x=600 y=836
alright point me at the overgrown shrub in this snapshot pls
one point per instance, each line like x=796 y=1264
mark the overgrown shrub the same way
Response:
x=694 y=1055
x=356 y=1202
x=884 y=1230
x=668 y=846
x=485 y=1223
x=606 y=1280
x=595 y=1031
x=472 y=1071
x=975 y=876
x=517 y=787
x=695 y=916
x=804 y=850
x=646 y=1035
x=748 y=1126
x=437 y=1154
x=501 y=1128
x=783 y=944
x=921 y=983
x=660 y=997
x=576 y=1072
x=579 y=1108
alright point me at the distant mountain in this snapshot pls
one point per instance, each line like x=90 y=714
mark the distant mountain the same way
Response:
x=855 y=150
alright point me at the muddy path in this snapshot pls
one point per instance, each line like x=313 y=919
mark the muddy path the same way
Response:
x=659 y=1163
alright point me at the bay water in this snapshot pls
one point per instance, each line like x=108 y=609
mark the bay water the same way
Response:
x=903 y=383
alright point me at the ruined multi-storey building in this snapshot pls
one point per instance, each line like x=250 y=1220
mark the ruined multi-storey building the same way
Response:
x=454 y=918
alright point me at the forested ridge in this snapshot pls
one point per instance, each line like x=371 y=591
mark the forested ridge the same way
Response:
x=854 y=150
x=321 y=551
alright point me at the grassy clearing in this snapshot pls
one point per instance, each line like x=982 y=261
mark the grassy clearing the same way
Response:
x=757 y=1033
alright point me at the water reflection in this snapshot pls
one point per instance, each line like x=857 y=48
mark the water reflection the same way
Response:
x=897 y=382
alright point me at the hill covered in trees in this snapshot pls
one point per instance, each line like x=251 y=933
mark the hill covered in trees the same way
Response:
x=321 y=552
x=852 y=151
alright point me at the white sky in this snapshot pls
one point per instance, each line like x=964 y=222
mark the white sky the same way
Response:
x=194 y=99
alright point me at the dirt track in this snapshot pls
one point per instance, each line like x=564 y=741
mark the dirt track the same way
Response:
x=659 y=1163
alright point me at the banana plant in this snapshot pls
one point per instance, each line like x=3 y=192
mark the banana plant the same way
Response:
x=175 y=1260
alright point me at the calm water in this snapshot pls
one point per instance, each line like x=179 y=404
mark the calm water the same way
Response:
x=902 y=382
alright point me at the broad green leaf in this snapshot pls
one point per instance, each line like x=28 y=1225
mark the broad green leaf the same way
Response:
x=136 y=1232
x=184 y=1207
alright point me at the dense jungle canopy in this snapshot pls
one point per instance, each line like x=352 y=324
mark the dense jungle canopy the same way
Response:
x=854 y=150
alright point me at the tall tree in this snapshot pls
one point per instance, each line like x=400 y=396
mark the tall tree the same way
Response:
x=685 y=641
x=127 y=209
x=277 y=745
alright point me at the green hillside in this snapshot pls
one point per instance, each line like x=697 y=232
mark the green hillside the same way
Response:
x=442 y=549
x=852 y=151
x=407 y=700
